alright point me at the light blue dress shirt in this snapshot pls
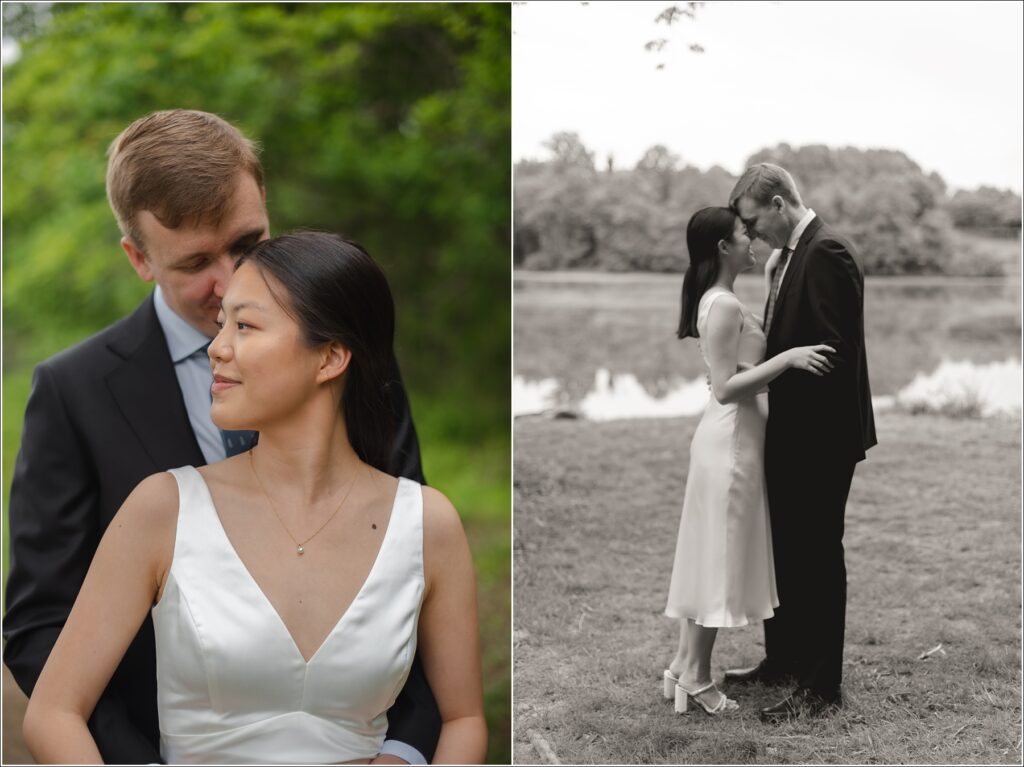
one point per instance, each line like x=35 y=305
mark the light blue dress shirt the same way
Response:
x=192 y=367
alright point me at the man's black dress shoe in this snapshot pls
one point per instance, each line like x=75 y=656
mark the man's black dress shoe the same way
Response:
x=762 y=673
x=802 y=703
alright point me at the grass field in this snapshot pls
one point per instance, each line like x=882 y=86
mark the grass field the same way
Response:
x=933 y=554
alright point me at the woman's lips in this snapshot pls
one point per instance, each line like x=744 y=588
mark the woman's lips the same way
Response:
x=221 y=383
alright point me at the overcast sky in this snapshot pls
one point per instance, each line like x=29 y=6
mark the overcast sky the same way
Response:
x=942 y=82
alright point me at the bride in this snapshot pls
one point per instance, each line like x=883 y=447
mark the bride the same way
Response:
x=290 y=586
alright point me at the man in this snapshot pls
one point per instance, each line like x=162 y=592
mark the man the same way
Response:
x=134 y=399
x=818 y=430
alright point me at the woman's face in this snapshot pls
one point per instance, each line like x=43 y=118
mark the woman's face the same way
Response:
x=738 y=250
x=263 y=371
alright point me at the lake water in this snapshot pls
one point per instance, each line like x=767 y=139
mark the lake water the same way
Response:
x=603 y=346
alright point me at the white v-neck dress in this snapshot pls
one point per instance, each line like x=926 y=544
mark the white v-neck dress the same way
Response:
x=232 y=686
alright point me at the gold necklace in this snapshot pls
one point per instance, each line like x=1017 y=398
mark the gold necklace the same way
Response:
x=298 y=545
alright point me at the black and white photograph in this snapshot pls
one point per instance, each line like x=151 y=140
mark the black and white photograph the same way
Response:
x=767 y=386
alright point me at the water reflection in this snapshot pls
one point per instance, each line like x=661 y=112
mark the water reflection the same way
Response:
x=954 y=388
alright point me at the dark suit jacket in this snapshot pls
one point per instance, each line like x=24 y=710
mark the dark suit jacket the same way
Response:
x=821 y=301
x=102 y=416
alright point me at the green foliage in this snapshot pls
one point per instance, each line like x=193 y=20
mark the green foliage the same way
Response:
x=388 y=123
x=568 y=215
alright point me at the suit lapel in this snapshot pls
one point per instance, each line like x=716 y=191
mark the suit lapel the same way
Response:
x=146 y=390
x=796 y=262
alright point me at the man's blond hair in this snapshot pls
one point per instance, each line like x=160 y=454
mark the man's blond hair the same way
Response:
x=763 y=181
x=181 y=165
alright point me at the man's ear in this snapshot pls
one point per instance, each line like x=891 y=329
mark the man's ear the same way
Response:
x=139 y=261
x=778 y=203
x=334 y=361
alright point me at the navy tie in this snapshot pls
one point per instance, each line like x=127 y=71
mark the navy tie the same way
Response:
x=236 y=442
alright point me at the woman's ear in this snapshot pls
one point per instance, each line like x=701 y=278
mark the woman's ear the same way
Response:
x=723 y=248
x=334 y=361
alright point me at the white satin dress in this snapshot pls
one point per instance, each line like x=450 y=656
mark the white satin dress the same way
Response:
x=232 y=686
x=724 y=573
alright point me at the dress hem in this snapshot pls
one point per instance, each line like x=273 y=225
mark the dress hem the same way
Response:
x=721 y=621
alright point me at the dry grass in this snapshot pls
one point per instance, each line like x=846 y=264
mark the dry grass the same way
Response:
x=933 y=547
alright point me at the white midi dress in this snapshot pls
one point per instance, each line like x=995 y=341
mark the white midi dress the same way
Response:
x=724 y=573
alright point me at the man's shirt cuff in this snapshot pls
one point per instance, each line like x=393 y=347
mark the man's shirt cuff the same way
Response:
x=403 y=751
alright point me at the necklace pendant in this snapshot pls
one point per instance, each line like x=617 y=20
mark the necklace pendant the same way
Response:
x=301 y=551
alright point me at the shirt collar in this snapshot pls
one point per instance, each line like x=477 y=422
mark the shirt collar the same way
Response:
x=183 y=340
x=794 y=238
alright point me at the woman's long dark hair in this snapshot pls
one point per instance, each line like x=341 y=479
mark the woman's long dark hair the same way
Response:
x=707 y=227
x=337 y=292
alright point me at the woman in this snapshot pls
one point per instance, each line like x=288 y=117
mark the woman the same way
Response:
x=289 y=585
x=723 y=573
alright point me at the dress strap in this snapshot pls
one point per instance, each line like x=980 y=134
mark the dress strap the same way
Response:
x=706 y=301
x=199 y=527
x=406 y=527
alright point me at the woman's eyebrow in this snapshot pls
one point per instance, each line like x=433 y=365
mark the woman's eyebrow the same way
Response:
x=227 y=306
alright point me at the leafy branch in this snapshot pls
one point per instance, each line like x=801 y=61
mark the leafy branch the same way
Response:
x=669 y=16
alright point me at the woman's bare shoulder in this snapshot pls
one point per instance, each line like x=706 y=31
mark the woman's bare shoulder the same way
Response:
x=148 y=519
x=725 y=301
x=725 y=313
x=442 y=526
x=153 y=498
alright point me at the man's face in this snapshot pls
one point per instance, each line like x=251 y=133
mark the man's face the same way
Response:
x=764 y=222
x=192 y=264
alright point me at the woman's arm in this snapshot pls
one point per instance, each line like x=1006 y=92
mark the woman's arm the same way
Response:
x=725 y=320
x=449 y=636
x=121 y=586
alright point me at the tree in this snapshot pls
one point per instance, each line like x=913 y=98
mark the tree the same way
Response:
x=568 y=217
x=379 y=121
x=568 y=151
x=986 y=207
x=880 y=198
x=657 y=167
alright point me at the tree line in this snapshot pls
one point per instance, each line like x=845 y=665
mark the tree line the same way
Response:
x=570 y=215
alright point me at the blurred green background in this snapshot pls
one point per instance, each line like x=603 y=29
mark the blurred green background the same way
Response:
x=387 y=122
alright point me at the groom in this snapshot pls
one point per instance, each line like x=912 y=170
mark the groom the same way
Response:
x=187 y=190
x=818 y=430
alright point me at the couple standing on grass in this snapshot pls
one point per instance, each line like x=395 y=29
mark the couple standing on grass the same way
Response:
x=761 y=534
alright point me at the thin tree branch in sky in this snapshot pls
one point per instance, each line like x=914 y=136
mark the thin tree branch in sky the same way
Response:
x=670 y=16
